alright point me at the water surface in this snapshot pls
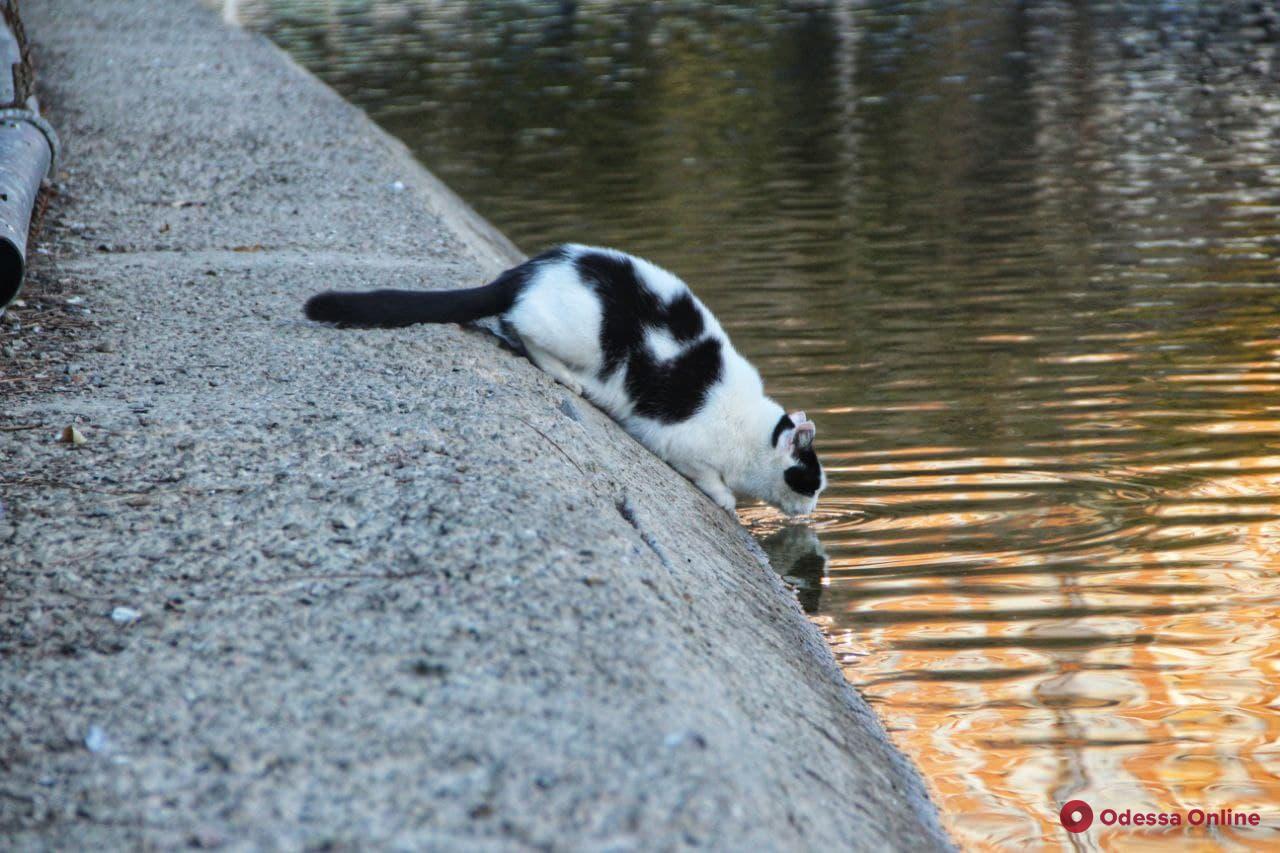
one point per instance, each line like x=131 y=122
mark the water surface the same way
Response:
x=1018 y=261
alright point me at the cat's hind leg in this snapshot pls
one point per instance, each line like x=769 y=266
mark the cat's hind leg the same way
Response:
x=553 y=366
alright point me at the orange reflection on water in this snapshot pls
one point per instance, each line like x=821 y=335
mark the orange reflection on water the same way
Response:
x=1145 y=678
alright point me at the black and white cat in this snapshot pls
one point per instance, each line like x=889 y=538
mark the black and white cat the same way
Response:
x=634 y=340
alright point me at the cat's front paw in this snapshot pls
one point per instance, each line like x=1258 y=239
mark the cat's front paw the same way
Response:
x=713 y=487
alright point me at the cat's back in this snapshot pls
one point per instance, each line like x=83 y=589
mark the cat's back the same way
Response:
x=613 y=277
x=617 y=275
x=632 y=333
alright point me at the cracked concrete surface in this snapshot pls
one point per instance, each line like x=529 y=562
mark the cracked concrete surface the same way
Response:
x=393 y=588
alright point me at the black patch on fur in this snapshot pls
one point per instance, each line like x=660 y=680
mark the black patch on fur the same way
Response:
x=673 y=391
x=784 y=423
x=668 y=391
x=392 y=308
x=684 y=319
x=806 y=475
x=627 y=306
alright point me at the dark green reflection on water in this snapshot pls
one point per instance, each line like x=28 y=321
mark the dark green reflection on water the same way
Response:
x=1017 y=260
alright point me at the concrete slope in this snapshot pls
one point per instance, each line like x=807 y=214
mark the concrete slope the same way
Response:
x=392 y=589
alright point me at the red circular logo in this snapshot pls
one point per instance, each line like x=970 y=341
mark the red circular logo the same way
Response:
x=1076 y=816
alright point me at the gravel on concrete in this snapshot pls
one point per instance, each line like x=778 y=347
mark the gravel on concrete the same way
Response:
x=303 y=587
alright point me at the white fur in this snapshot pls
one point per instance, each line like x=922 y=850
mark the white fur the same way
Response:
x=724 y=448
x=661 y=344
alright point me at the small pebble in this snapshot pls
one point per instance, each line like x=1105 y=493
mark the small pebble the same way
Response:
x=71 y=435
x=125 y=615
x=96 y=739
x=570 y=410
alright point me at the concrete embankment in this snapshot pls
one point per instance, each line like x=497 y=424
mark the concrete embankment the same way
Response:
x=307 y=587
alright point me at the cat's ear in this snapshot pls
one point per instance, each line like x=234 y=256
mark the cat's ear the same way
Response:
x=804 y=435
x=797 y=418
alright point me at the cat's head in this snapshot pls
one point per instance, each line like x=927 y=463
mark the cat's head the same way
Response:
x=796 y=474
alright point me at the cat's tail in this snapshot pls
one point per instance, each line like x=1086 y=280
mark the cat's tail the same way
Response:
x=391 y=308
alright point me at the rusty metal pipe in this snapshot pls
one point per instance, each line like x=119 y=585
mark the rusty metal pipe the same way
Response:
x=28 y=150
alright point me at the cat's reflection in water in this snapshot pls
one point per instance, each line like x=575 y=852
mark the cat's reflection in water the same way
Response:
x=797 y=555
